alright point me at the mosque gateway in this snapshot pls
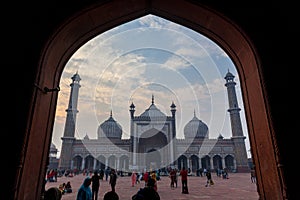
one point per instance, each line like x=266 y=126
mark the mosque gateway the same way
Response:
x=153 y=143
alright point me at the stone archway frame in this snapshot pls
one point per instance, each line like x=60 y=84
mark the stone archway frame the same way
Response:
x=83 y=26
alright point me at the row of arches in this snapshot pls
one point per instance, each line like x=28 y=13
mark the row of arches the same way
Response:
x=121 y=163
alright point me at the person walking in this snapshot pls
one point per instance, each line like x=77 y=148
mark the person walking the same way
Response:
x=252 y=175
x=172 y=177
x=85 y=192
x=133 y=179
x=176 y=177
x=95 y=185
x=113 y=179
x=153 y=176
x=107 y=172
x=209 y=181
x=184 y=175
x=146 y=177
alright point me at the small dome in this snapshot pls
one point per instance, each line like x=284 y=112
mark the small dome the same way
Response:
x=76 y=77
x=229 y=76
x=195 y=129
x=110 y=128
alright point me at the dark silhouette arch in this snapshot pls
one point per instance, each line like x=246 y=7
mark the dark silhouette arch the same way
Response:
x=90 y=22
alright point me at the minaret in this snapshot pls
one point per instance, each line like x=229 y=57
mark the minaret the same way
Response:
x=69 y=132
x=173 y=111
x=173 y=139
x=238 y=137
x=133 y=138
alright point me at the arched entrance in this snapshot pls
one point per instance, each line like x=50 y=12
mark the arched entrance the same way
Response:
x=153 y=160
x=182 y=162
x=151 y=149
x=89 y=163
x=77 y=162
x=87 y=24
x=217 y=162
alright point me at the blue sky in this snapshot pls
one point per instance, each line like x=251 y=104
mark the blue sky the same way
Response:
x=145 y=57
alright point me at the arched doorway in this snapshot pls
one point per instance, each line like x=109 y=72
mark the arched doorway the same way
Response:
x=229 y=162
x=151 y=149
x=217 y=162
x=89 y=163
x=153 y=160
x=101 y=162
x=195 y=163
x=77 y=162
x=182 y=162
x=206 y=162
x=93 y=21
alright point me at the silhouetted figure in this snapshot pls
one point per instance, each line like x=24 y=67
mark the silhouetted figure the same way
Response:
x=209 y=181
x=113 y=180
x=184 y=175
x=52 y=193
x=95 y=185
x=147 y=193
x=68 y=187
x=111 y=196
x=253 y=175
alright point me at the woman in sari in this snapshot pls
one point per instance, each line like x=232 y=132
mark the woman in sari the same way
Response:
x=85 y=192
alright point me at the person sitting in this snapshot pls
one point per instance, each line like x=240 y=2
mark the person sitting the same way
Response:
x=147 y=193
x=61 y=187
x=68 y=187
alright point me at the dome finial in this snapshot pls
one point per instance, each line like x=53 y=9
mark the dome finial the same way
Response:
x=194 y=113
x=152 y=99
x=110 y=113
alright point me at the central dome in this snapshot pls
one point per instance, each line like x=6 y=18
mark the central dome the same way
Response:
x=110 y=128
x=195 y=129
x=152 y=111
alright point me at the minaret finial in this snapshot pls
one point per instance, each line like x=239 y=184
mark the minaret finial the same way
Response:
x=152 y=99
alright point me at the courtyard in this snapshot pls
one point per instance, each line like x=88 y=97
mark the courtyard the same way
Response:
x=237 y=187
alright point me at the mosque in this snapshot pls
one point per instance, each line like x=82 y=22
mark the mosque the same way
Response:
x=153 y=142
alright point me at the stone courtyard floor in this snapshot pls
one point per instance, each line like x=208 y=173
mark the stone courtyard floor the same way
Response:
x=237 y=187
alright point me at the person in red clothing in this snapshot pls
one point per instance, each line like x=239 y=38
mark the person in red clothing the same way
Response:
x=146 y=177
x=133 y=178
x=172 y=177
x=184 y=174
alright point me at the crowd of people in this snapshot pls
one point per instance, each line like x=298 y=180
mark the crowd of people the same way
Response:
x=89 y=189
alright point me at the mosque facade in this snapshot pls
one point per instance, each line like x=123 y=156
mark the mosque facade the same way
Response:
x=153 y=142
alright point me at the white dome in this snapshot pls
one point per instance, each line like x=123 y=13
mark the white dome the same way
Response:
x=195 y=129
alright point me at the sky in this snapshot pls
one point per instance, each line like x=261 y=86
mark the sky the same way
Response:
x=148 y=56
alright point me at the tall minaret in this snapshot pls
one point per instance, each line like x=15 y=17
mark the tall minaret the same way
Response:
x=133 y=138
x=69 y=132
x=238 y=137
